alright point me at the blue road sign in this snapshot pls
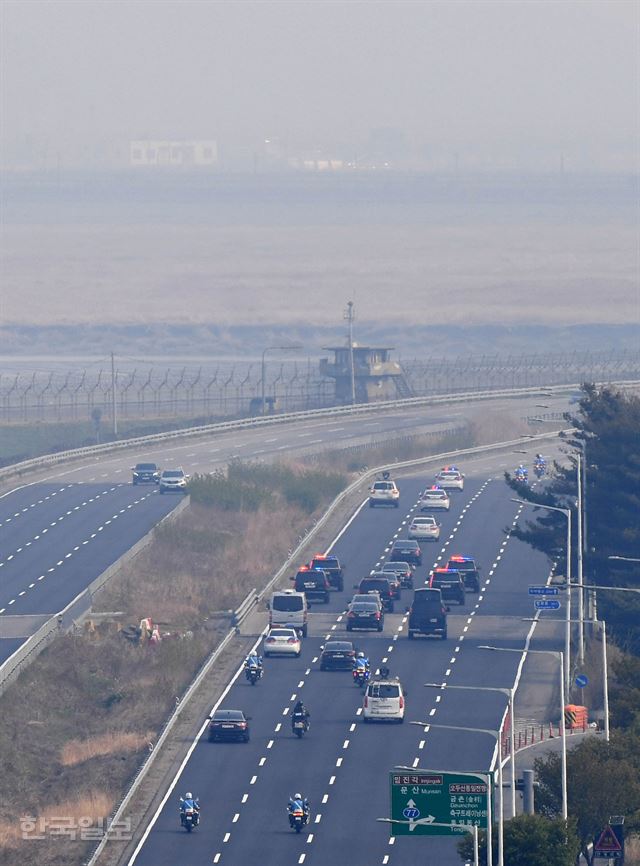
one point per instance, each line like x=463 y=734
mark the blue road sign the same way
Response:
x=546 y=604
x=544 y=590
x=582 y=680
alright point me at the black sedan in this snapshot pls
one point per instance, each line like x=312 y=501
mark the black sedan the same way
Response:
x=229 y=725
x=364 y=614
x=337 y=655
x=406 y=550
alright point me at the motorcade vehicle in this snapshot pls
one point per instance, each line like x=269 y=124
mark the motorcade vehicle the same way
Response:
x=337 y=655
x=394 y=580
x=365 y=614
x=470 y=571
x=521 y=474
x=331 y=565
x=384 y=493
x=428 y=614
x=404 y=570
x=450 y=583
x=229 y=725
x=384 y=701
x=173 y=481
x=406 y=550
x=298 y=816
x=313 y=582
x=282 y=642
x=424 y=528
x=189 y=813
x=435 y=498
x=289 y=608
x=450 y=478
x=370 y=596
x=145 y=473
x=381 y=585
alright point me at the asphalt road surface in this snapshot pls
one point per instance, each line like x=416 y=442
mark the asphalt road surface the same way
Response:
x=342 y=765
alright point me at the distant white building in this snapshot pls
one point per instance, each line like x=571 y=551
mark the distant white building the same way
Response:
x=173 y=153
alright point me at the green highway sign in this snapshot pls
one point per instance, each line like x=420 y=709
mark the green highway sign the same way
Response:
x=429 y=797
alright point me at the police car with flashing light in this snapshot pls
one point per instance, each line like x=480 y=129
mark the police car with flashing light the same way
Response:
x=435 y=498
x=450 y=478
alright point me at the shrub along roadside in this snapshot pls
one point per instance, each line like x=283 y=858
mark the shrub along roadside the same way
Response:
x=100 y=697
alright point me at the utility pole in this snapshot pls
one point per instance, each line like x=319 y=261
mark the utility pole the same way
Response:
x=113 y=397
x=350 y=315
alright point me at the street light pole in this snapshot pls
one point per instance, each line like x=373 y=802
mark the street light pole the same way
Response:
x=567 y=636
x=510 y=692
x=558 y=654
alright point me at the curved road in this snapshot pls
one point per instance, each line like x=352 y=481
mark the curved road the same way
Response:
x=61 y=531
x=342 y=765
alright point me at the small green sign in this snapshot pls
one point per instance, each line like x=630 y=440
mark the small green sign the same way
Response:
x=430 y=797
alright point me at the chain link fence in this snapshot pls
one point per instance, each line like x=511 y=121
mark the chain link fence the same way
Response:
x=226 y=390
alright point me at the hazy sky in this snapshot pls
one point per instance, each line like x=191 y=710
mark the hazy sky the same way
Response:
x=503 y=84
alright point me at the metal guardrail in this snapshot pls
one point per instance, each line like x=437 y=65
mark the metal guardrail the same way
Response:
x=245 y=608
x=254 y=597
x=225 y=426
x=65 y=620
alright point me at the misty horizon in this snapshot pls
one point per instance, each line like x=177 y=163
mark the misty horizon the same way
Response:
x=433 y=86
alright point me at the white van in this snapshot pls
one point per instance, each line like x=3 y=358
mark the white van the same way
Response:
x=289 y=608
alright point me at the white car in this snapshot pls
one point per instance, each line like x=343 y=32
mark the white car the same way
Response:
x=384 y=701
x=384 y=493
x=435 y=498
x=173 y=481
x=450 y=478
x=282 y=641
x=424 y=527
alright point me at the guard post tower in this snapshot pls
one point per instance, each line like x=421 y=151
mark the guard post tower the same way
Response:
x=363 y=374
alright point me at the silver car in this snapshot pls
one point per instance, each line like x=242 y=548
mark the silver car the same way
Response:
x=424 y=528
x=435 y=498
x=173 y=481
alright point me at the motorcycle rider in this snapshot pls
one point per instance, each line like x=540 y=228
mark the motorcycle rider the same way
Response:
x=189 y=802
x=361 y=662
x=298 y=802
x=300 y=712
x=253 y=660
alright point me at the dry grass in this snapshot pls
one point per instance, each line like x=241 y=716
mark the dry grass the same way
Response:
x=89 y=807
x=632 y=851
x=114 y=743
x=86 y=709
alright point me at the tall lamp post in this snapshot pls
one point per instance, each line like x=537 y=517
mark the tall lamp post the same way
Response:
x=567 y=637
x=510 y=693
x=559 y=655
x=292 y=347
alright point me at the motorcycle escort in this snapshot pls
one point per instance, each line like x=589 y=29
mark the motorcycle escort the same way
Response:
x=361 y=676
x=298 y=810
x=299 y=725
x=253 y=669
x=189 y=813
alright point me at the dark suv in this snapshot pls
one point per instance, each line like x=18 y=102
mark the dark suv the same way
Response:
x=330 y=564
x=428 y=614
x=314 y=582
x=450 y=583
x=146 y=473
x=381 y=585
x=469 y=570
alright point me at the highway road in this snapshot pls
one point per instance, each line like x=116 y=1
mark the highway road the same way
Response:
x=342 y=765
x=59 y=531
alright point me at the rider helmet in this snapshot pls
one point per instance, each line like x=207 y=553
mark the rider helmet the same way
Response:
x=297 y=796
x=360 y=655
x=188 y=796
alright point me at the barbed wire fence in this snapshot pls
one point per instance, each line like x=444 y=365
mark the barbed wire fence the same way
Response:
x=223 y=389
